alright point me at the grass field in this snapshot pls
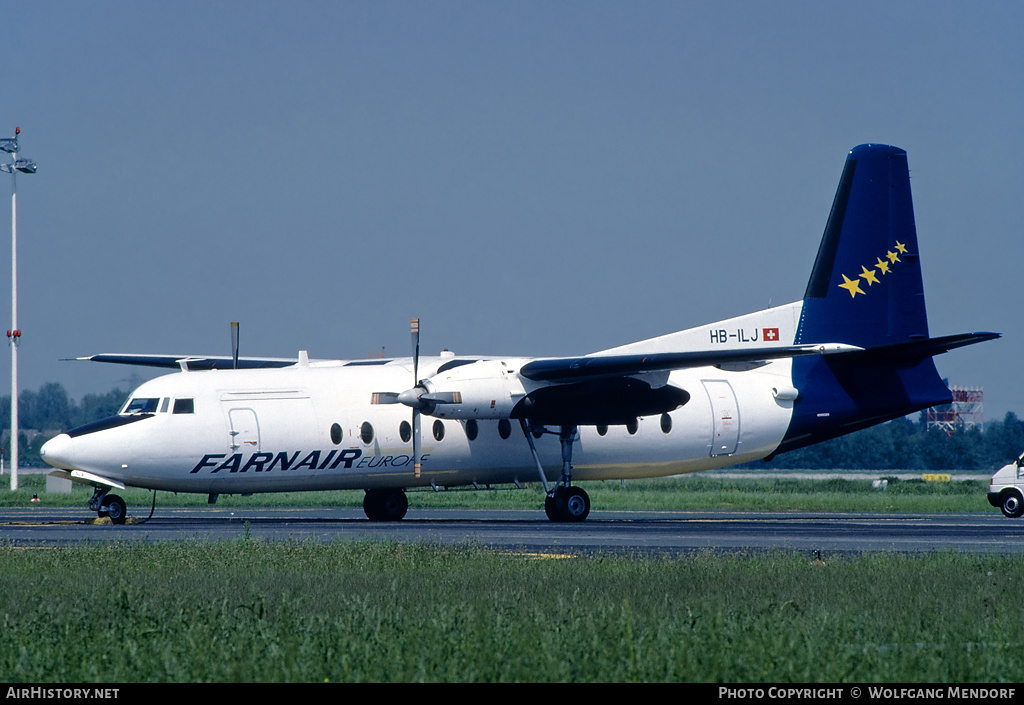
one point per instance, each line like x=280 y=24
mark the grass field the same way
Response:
x=251 y=611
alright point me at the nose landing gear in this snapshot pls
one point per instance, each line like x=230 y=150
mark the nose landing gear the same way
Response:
x=108 y=505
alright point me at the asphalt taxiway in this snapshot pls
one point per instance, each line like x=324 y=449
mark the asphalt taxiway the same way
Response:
x=657 y=532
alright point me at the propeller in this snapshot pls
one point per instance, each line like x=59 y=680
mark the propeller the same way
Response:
x=414 y=326
x=417 y=398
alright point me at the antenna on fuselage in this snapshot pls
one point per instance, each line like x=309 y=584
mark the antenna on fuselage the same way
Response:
x=234 y=345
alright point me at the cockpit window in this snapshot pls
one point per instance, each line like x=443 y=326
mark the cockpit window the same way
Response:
x=184 y=406
x=141 y=405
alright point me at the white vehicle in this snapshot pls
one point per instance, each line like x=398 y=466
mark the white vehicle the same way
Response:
x=854 y=352
x=1006 y=489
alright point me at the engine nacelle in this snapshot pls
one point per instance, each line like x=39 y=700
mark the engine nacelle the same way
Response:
x=485 y=389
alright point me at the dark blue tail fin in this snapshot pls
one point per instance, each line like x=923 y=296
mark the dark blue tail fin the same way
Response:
x=865 y=288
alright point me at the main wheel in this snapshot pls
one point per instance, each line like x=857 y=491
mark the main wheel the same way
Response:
x=1011 y=504
x=575 y=506
x=115 y=508
x=385 y=505
x=568 y=504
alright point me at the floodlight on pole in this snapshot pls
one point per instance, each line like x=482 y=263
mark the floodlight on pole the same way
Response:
x=25 y=166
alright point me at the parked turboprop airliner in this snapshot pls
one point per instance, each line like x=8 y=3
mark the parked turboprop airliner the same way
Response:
x=854 y=352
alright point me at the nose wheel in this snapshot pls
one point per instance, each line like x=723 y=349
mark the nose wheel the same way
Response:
x=115 y=508
x=108 y=505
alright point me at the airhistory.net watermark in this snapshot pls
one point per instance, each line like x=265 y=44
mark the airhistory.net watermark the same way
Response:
x=57 y=693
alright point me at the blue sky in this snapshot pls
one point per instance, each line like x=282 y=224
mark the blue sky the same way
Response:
x=535 y=178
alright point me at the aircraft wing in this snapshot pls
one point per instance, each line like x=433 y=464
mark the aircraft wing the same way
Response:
x=568 y=369
x=194 y=362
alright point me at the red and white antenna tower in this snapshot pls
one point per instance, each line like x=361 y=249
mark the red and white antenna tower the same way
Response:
x=966 y=411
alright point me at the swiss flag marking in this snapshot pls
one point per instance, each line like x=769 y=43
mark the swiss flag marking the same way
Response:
x=769 y=334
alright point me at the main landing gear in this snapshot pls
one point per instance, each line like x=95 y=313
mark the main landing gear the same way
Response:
x=563 y=501
x=108 y=505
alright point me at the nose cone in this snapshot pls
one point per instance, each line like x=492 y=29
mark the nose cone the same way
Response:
x=59 y=452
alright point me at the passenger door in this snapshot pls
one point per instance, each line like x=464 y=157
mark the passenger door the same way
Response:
x=725 y=413
x=244 y=431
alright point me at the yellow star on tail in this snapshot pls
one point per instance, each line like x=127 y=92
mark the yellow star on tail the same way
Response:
x=893 y=257
x=851 y=285
x=882 y=266
x=869 y=276
x=901 y=248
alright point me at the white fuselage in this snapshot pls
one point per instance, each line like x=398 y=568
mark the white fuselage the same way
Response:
x=313 y=427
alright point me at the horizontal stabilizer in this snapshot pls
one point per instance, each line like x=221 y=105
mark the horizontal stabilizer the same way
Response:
x=914 y=350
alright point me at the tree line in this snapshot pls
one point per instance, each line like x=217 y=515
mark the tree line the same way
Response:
x=903 y=444
x=906 y=444
x=48 y=411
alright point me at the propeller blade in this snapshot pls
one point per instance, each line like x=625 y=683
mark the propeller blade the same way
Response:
x=416 y=441
x=442 y=397
x=384 y=398
x=234 y=345
x=414 y=327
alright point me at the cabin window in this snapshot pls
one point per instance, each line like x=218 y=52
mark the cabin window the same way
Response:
x=504 y=428
x=666 y=423
x=632 y=427
x=472 y=429
x=438 y=430
x=602 y=429
x=184 y=406
x=405 y=431
x=335 y=434
x=141 y=406
x=366 y=432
